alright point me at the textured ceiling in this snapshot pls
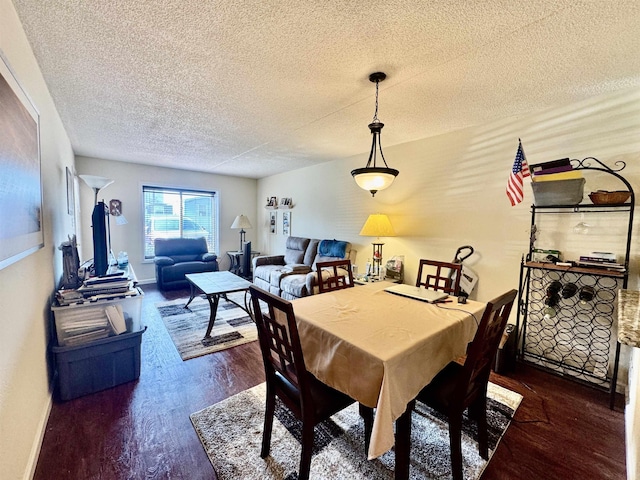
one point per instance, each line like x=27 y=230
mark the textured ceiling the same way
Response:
x=254 y=88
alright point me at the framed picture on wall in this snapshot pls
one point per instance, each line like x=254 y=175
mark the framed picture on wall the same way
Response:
x=286 y=223
x=20 y=208
x=273 y=218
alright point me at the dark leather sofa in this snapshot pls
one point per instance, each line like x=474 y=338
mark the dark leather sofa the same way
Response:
x=175 y=257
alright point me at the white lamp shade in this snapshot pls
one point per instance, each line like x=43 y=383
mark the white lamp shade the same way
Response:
x=242 y=222
x=95 y=181
x=377 y=225
x=374 y=180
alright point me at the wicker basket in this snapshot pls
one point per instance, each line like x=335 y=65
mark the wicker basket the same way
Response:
x=602 y=197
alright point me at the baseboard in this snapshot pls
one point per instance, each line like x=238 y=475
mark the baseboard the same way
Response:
x=148 y=281
x=30 y=471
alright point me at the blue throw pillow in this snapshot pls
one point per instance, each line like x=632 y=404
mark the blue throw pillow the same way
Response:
x=332 y=248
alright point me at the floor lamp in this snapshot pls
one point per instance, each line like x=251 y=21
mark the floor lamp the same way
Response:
x=99 y=220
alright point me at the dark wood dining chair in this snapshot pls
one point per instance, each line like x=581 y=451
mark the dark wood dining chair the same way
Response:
x=310 y=400
x=458 y=387
x=340 y=275
x=444 y=276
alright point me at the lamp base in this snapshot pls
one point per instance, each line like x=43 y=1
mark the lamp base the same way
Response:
x=242 y=236
x=377 y=258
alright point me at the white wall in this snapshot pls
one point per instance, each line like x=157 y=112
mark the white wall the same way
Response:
x=451 y=192
x=26 y=286
x=451 y=188
x=236 y=196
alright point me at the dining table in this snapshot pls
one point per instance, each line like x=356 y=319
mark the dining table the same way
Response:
x=381 y=349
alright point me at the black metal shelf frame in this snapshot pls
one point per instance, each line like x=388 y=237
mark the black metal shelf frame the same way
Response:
x=574 y=340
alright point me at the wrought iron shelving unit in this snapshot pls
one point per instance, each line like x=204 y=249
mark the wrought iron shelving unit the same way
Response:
x=575 y=340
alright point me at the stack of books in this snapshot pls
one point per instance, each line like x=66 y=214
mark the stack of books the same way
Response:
x=68 y=296
x=554 y=170
x=82 y=326
x=603 y=260
x=106 y=285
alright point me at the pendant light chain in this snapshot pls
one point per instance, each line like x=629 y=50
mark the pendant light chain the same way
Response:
x=375 y=115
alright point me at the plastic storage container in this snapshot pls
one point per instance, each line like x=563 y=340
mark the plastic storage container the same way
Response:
x=558 y=192
x=97 y=365
x=77 y=322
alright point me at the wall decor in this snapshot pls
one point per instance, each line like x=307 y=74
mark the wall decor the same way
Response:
x=273 y=218
x=286 y=223
x=20 y=185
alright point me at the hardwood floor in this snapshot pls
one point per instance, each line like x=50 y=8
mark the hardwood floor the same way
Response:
x=141 y=429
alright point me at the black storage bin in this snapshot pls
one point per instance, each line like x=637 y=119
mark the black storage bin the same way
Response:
x=98 y=365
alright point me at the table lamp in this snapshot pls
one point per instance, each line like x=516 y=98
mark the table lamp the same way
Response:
x=241 y=222
x=377 y=225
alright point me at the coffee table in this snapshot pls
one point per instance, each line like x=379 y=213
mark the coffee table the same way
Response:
x=215 y=285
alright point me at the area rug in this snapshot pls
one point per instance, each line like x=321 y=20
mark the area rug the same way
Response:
x=187 y=326
x=231 y=434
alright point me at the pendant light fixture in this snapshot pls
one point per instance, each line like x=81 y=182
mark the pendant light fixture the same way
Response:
x=372 y=177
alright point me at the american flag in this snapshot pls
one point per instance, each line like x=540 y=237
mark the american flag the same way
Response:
x=518 y=172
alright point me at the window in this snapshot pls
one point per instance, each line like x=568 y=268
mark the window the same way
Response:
x=178 y=213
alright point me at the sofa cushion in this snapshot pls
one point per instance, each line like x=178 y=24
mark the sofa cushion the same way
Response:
x=263 y=272
x=347 y=252
x=297 y=268
x=177 y=272
x=312 y=251
x=175 y=247
x=332 y=248
x=293 y=286
x=295 y=249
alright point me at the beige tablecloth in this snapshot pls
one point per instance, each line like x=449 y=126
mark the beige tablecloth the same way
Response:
x=381 y=349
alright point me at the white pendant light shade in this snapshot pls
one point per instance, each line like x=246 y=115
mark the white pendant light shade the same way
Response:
x=374 y=179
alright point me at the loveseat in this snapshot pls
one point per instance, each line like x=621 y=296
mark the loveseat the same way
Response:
x=175 y=257
x=293 y=275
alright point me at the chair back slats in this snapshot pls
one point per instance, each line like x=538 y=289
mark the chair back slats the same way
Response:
x=278 y=337
x=446 y=277
x=334 y=275
x=481 y=354
x=279 y=347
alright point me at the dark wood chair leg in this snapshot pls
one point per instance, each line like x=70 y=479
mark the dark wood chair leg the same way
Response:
x=307 y=450
x=403 y=443
x=455 y=440
x=268 y=424
x=367 y=415
x=480 y=414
